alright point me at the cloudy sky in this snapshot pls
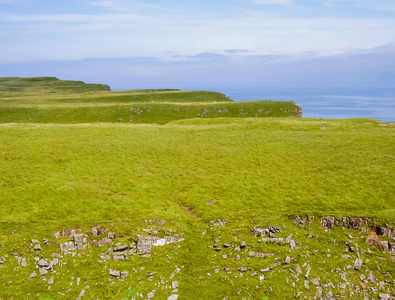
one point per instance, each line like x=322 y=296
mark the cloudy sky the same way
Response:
x=202 y=43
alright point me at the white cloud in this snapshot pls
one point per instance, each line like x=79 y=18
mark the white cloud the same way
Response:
x=74 y=36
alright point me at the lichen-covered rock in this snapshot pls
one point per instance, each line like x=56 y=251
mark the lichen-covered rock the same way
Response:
x=104 y=242
x=80 y=241
x=144 y=245
x=97 y=230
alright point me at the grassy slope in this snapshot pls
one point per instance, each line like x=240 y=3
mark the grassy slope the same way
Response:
x=43 y=100
x=256 y=170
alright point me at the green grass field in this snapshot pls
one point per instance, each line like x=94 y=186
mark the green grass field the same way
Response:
x=63 y=168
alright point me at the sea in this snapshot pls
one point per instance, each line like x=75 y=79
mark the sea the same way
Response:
x=322 y=102
x=326 y=103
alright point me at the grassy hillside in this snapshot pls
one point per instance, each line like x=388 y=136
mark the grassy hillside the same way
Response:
x=203 y=182
x=46 y=85
x=44 y=101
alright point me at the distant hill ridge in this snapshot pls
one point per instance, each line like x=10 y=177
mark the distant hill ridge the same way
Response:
x=51 y=100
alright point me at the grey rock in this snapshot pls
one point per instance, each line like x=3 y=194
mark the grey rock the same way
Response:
x=124 y=274
x=150 y=295
x=144 y=245
x=119 y=257
x=308 y=272
x=218 y=222
x=287 y=260
x=243 y=244
x=385 y=296
x=172 y=297
x=37 y=247
x=273 y=240
x=114 y=273
x=66 y=247
x=306 y=285
x=121 y=248
x=97 y=230
x=243 y=269
x=292 y=244
x=258 y=231
x=50 y=281
x=81 y=294
x=33 y=275
x=358 y=264
x=43 y=271
x=101 y=243
x=111 y=235
x=23 y=262
x=34 y=241
x=80 y=241
x=43 y=263
x=174 y=284
x=316 y=281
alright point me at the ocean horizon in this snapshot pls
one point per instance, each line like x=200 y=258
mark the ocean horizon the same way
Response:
x=321 y=102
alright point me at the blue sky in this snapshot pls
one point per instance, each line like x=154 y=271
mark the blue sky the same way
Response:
x=200 y=41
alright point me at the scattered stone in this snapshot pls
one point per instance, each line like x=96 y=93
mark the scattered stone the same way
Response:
x=287 y=260
x=50 y=281
x=37 y=247
x=243 y=269
x=111 y=235
x=114 y=273
x=34 y=241
x=80 y=241
x=101 y=243
x=173 y=297
x=308 y=272
x=174 y=284
x=144 y=245
x=218 y=222
x=97 y=230
x=358 y=264
x=385 y=296
x=33 y=275
x=121 y=248
x=43 y=263
x=124 y=274
x=273 y=240
x=306 y=285
x=119 y=258
x=43 y=271
x=316 y=281
x=292 y=244
x=243 y=244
